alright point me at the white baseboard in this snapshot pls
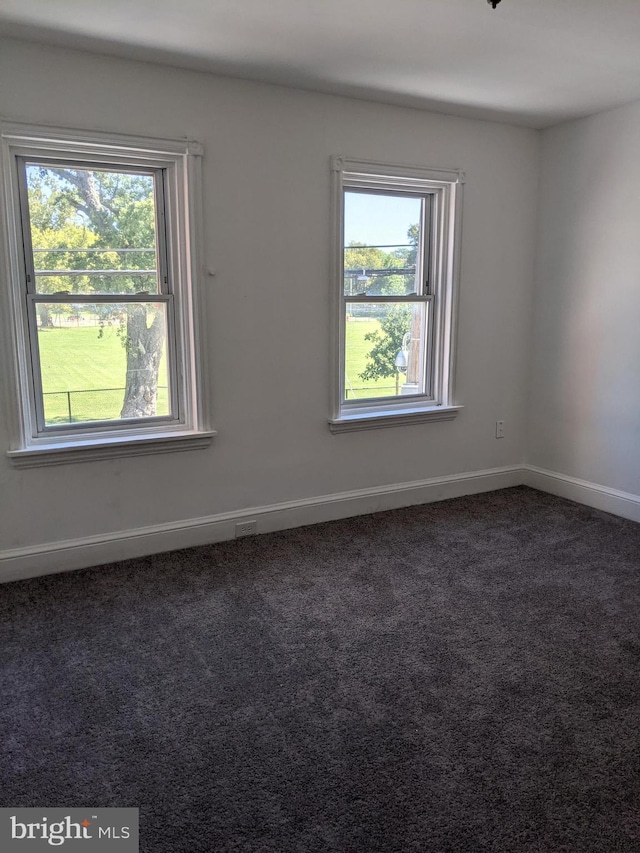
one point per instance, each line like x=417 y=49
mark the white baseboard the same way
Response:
x=123 y=545
x=126 y=544
x=614 y=501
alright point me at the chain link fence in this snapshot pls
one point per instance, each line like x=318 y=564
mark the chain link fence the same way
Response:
x=93 y=404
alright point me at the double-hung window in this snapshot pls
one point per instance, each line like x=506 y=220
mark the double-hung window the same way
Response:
x=395 y=268
x=101 y=259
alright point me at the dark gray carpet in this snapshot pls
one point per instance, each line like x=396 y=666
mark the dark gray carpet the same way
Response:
x=462 y=676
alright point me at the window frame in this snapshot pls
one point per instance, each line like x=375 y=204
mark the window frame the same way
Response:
x=177 y=163
x=439 y=251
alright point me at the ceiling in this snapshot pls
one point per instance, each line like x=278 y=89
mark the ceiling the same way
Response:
x=531 y=62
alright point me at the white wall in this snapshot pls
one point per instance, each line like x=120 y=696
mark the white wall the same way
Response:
x=267 y=213
x=585 y=380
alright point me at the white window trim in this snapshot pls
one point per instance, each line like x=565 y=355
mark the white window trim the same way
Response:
x=447 y=184
x=182 y=161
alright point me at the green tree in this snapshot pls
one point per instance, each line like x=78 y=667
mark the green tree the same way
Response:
x=406 y=256
x=53 y=229
x=363 y=260
x=359 y=255
x=372 y=262
x=387 y=340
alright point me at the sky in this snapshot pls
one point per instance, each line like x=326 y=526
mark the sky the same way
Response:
x=378 y=219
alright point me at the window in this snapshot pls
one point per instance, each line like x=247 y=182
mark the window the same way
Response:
x=101 y=260
x=395 y=269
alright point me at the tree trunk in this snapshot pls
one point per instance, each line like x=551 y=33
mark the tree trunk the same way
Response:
x=46 y=320
x=415 y=348
x=144 y=351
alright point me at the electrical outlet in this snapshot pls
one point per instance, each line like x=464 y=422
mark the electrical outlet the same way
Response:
x=499 y=429
x=246 y=528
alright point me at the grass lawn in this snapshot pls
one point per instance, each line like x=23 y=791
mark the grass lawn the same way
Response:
x=93 y=368
x=357 y=350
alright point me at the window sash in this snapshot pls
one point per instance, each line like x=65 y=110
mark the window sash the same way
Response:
x=392 y=401
x=164 y=294
x=425 y=270
x=424 y=249
x=164 y=284
x=42 y=428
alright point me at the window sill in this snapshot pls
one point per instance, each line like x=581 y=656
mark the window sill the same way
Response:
x=92 y=449
x=392 y=418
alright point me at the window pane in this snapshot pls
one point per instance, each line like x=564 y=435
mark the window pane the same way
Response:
x=103 y=362
x=385 y=349
x=381 y=244
x=92 y=231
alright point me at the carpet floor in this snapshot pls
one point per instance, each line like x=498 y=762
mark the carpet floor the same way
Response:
x=457 y=677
